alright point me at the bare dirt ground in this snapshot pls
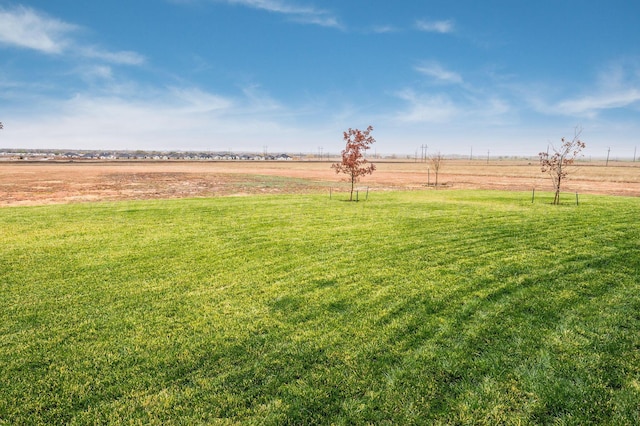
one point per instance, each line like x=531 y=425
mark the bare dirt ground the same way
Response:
x=33 y=183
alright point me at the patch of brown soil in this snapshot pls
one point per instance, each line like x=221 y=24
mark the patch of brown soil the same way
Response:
x=29 y=183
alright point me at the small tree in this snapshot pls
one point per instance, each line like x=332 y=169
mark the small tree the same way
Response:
x=353 y=162
x=1 y=126
x=436 y=163
x=558 y=163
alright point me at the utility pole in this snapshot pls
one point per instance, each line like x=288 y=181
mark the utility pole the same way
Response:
x=608 y=151
x=320 y=152
x=634 y=153
x=471 y=155
x=423 y=157
x=488 y=154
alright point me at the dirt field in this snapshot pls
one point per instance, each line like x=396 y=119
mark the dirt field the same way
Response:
x=31 y=183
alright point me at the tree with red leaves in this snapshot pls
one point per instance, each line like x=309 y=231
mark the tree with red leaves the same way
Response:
x=353 y=162
x=557 y=164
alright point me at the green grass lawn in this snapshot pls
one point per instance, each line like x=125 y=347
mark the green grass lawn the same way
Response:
x=434 y=307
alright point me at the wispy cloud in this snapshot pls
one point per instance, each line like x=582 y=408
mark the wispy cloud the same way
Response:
x=25 y=28
x=438 y=108
x=195 y=100
x=121 y=57
x=591 y=106
x=618 y=86
x=259 y=101
x=426 y=108
x=302 y=14
x=442 y=27
x=175 y=117
x=439 y=73
x=462 y=102
x=95 y=73
x=383 y=29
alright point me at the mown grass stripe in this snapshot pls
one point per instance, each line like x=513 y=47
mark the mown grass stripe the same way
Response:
x=412 y=307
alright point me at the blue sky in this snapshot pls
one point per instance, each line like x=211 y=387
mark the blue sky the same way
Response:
x=500 y=76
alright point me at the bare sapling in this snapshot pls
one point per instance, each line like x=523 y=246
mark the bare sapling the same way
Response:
x=436 y=161
x=558 y=164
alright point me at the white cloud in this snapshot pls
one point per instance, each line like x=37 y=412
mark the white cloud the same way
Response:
x=460 y=102
x=29 y=29
x=383 y=29
x=96 y=73
x=122 y=57
x=302 y=14
x=590 y=106
x=426 y=108
x=442 y=27
x=260 y=101
x=435 y=70
x=490 y=110
x=323 y=21
x=25 y=28
x=442 y=108
x=170 y=118
x=617 y=87
x=194 y=100
x=276 y=6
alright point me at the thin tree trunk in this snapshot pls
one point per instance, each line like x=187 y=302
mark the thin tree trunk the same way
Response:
x=353 y=179
x=556 y=199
